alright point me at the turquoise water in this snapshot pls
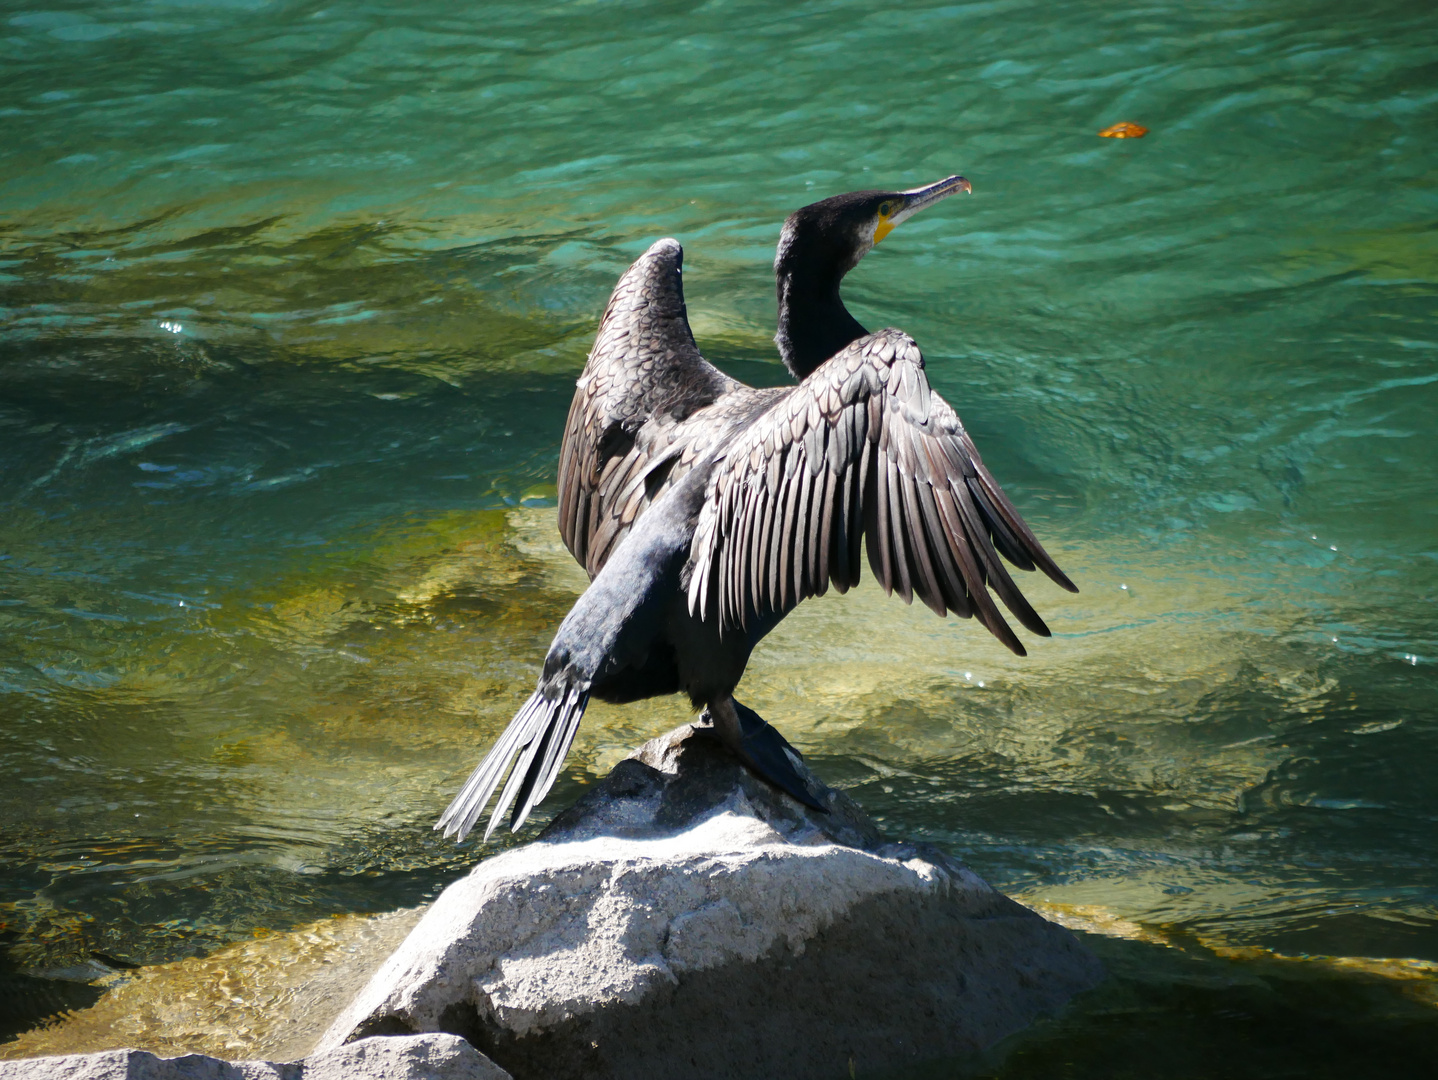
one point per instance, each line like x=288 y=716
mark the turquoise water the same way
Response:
x=292 y=298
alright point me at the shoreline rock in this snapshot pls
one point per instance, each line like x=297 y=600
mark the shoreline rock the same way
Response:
x=418 y=1057
x=685 y=919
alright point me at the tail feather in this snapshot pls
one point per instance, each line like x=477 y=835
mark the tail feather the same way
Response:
x=462 y=813
x=541 y=734
x=553 y=749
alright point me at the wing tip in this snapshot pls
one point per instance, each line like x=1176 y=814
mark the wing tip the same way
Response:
x=665 y=247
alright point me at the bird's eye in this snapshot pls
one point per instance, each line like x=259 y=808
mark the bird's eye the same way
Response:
x=885 y=209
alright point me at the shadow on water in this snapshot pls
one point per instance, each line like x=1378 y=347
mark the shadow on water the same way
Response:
x=1191 y=1014
x=28 y=1000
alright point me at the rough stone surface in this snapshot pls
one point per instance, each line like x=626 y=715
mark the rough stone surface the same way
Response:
x=685 y=919
x=416 y=1057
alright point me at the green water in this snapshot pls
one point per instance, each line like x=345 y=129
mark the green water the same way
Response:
x=292 y=298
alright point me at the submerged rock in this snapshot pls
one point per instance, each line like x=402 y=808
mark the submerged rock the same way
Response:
x=268 y=998
x=685 y=919
x=419 y=1057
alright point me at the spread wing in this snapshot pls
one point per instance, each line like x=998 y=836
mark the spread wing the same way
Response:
x=862 y=448
x=627 y=438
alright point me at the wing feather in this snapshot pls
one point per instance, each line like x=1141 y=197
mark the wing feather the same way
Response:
x=931 y=593
x=899 y=554
x=863 y=449
x=940 y=521
x=874 y=505
x=645 y=391
x=830 y=532
x=854 y=512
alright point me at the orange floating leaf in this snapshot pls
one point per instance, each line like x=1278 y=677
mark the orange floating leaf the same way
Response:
x=1124 y=130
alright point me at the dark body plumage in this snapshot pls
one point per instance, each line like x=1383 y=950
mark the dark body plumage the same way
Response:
x=705 y=510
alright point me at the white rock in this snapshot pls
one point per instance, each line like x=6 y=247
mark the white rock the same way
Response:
x=416 y=1057
x=684 y=919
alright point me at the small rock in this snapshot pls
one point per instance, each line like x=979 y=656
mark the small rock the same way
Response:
x=416 y=1057
x=684 y=919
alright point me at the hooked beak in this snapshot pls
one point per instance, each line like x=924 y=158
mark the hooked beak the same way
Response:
x=921 y=198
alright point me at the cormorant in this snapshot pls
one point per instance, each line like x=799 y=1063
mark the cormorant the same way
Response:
x=705 y=510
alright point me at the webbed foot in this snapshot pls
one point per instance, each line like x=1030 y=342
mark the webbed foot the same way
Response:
x=766 y=753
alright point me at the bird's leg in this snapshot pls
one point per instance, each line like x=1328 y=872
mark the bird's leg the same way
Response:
x=758 y=744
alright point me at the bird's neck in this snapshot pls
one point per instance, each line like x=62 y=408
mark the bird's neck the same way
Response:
x=813 y=322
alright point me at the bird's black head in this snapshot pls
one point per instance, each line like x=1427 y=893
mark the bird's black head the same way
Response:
x=819 y=244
